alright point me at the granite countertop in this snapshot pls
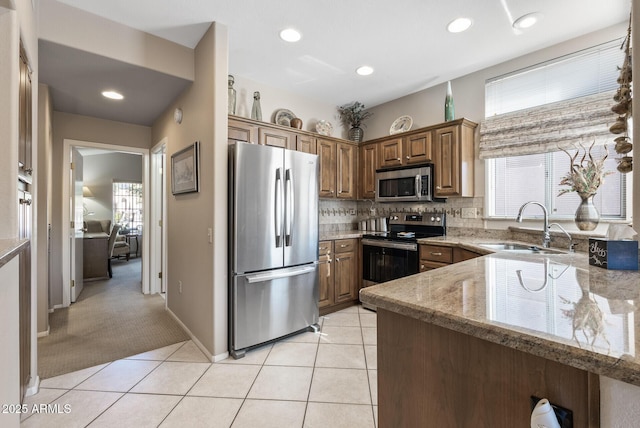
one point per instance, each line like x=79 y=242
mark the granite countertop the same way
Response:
x=9 y=248
x=554 y=306
x=345 y=234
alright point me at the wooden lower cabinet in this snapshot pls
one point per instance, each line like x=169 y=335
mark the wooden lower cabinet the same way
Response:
x=430 y=376
x=338 y=272
x=435 y=256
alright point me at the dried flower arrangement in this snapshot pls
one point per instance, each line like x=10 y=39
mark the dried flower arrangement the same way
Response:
x=622 y=107
x=585 y=176
x=354 y=114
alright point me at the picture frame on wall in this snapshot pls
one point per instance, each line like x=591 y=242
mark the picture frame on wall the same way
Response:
x=185 y=170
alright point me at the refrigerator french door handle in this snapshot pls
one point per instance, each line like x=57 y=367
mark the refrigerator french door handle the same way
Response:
x=288 y=203
x=278 y=274
x=278 y=208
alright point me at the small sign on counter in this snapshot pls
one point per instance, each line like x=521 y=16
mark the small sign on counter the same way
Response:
x=613 y=254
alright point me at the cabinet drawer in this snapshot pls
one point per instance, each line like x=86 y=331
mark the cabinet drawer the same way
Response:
x=426 y=265
x=324 y=248
x=345 y=245
x=436 y=253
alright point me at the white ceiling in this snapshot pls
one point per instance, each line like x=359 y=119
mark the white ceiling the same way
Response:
x=405 y=41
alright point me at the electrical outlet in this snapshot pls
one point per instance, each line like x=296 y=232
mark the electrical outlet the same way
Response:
x=180 y=287
x=469 y=213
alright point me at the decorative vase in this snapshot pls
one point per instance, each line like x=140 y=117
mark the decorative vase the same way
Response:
x=449 y=109
x=587 y=216
x=256 y=110
x=296 y=123
x=356 y=134
x=231 y=107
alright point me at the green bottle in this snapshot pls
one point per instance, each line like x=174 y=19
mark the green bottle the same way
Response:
x=449 y=109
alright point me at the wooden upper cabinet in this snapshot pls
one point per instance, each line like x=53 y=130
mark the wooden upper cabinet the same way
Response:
x=345 y=171
x=277 y=138
x=367 y=171
x=241 y=131
x=391 y=153
x=453 y=159
x=327 y=158
x=305 y=143
x=418 y=148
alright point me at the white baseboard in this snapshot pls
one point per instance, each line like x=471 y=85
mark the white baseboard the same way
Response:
x=44 y=333
x=220 y=357
x=33 y=387
x=204 y=350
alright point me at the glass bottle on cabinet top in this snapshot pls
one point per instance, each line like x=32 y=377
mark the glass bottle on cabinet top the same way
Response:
x=449 y=109
x=232 y=96
x=256 y=110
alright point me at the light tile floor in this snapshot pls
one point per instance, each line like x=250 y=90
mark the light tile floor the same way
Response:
x=325 y=379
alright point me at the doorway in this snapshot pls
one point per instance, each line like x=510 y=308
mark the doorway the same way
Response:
x=68 y=244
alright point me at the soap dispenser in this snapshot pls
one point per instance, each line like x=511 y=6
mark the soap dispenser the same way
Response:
x=543 y=415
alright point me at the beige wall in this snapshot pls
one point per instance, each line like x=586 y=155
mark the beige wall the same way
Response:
x=190 y=255
x=272 y=99
x=90 y=129
x=82 y=30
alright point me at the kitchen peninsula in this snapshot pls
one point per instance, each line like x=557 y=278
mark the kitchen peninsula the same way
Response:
x=469 y=344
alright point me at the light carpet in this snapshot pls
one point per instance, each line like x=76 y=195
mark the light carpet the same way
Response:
x=111 y=320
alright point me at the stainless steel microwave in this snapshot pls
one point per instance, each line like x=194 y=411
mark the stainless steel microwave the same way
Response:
x=405 y=184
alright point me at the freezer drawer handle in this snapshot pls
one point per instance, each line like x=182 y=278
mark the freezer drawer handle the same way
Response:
x=278 y=209
x=262 y=277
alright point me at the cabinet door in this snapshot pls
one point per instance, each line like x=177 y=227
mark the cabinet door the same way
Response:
x=367 y=175
x=418 y=148
x=306 y=144
x=327 y=157
x=346 y=270
x=447 y=162
x=391 y=153
x=277 y=138
x=325 y=281
x=240 y=131
x=462 y=254
x=345 y=171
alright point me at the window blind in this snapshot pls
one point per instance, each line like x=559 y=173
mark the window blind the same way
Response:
x=552 y=105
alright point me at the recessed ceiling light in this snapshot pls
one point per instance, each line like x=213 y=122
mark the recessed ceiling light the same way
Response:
x=459 y=25
x=364 y=70
x=527 y=21
x=290 y=35
x=112 y=95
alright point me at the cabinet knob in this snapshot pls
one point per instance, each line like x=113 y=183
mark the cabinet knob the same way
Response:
x=399 y=159
x=408 y=157
x=337 y=259
x=437 y=187
x=28 y=171
x=421 y=266
x=343 y=245
x=436 y=254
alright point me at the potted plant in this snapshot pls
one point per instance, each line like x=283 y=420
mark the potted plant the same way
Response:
x=584 y=178
x=353 y=115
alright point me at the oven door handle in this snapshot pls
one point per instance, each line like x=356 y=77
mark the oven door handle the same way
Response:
x=408 y=246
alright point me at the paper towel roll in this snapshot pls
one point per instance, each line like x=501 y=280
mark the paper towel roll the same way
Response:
x=543 y=416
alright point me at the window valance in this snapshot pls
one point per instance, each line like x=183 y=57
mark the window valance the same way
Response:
x=547 y=128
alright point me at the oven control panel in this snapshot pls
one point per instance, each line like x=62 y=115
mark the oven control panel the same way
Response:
x=424 y=219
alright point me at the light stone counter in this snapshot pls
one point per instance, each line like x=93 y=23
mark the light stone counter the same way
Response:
x=9 y=248
x=345 y=234
x=553 y=306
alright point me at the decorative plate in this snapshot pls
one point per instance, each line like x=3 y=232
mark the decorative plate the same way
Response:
x=283 y=117
x=401 y=124
x=324 y=128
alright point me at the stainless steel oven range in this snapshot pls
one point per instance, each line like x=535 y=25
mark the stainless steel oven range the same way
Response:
x=394 y=254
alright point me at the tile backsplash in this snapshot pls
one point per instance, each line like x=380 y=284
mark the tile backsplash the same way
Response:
x=336 y=216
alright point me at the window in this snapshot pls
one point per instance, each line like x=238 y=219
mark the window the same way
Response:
x=127 y=205
x=516 y=179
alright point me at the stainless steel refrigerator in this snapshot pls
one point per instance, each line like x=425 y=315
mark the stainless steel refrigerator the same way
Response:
x=273 y=254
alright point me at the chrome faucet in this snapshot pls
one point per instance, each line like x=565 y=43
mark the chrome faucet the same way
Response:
x=571 y=244
x=546 y=241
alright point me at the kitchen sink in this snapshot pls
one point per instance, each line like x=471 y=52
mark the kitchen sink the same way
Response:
x=519 y=248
